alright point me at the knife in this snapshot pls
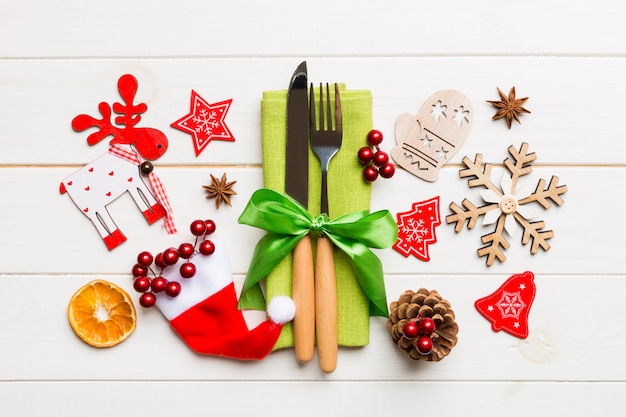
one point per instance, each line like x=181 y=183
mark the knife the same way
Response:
x=297 y=187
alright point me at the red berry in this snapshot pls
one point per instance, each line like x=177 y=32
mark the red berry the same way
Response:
x=170 y=256
x=424 y=345
x=185 y=250
x=147 y=299
x=158 y=260
x=387 y=170
x=380 y=158
x=187 y=270
x=159 y=284
x=370 y=173
x=206 y=247
x=210 y=226
x=374 y=137
x=427 y=326
x=198 y=227
x=141 y=284
x=144 y=258
x=139 y=270
x=173 y=289
x=365 y=154
x=410 y=329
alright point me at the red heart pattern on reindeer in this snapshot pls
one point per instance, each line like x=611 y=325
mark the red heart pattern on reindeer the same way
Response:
x=117 y=171
x=426 y=142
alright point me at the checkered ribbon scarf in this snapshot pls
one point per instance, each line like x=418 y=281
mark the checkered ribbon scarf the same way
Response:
x=129 y=154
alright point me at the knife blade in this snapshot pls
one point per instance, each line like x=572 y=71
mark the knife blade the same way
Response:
x=297 y=187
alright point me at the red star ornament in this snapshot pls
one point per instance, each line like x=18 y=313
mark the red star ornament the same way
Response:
x=416 y=229
x=205 y=122
x=508 y=307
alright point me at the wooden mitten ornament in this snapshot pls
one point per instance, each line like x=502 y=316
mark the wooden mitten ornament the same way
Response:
x=427 y=141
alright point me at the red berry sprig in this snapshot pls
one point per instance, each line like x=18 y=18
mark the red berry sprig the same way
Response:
x=375 y=160
x=420 y=329
x=148 y=286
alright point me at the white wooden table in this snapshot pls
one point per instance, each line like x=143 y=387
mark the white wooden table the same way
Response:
x=60 y=58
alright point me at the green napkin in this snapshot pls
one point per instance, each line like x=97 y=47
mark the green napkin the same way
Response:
x=347 y=193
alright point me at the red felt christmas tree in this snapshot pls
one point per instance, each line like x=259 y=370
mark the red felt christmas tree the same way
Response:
x=416 y=228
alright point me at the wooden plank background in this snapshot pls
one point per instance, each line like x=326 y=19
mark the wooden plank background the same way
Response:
x=60 y=58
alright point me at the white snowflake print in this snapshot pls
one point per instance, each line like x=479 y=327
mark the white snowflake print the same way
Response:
x=511 y=305
x=415 y=230
x=206 y=121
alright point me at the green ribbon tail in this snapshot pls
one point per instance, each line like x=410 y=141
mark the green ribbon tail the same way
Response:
x=268 y=253
x=354 y=234
x=368 y=271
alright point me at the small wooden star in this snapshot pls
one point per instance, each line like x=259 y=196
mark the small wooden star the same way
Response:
x=508 y=107
x=220 y=190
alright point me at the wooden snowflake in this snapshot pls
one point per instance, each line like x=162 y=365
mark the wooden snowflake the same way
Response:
x=507 y=205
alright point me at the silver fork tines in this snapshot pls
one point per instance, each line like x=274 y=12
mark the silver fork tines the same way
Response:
x=325 y=140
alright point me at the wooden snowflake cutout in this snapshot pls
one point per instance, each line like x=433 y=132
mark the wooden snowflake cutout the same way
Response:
x=508 y=107
x=220 y=190
x=507 y=206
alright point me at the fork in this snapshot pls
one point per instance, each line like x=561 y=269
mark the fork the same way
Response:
x=325 y=142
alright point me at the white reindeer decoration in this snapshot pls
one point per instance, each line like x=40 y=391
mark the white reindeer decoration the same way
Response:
x=119 y=170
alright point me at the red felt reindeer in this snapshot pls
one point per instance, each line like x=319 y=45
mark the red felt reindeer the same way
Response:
x=119 y=170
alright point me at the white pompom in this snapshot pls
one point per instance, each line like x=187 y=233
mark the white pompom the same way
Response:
x=281 y=309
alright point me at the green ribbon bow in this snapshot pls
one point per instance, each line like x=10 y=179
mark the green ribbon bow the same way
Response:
x=287 y=221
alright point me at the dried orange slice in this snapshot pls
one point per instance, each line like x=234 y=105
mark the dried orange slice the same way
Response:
x=102 y=314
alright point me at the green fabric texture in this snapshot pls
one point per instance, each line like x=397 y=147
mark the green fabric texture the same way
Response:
x=347 y=193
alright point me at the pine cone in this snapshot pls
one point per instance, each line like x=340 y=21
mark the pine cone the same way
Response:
x=426 y=304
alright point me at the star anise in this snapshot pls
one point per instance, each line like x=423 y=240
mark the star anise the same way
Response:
x=509 y=107
x=220 y=190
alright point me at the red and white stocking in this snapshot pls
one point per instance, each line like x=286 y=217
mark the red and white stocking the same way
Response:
x=205 y=313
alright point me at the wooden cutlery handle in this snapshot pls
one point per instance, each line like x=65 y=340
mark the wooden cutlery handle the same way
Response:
x=326 y=305
x=303 y=294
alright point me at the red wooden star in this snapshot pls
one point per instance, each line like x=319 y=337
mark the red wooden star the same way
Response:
x=205 y=122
